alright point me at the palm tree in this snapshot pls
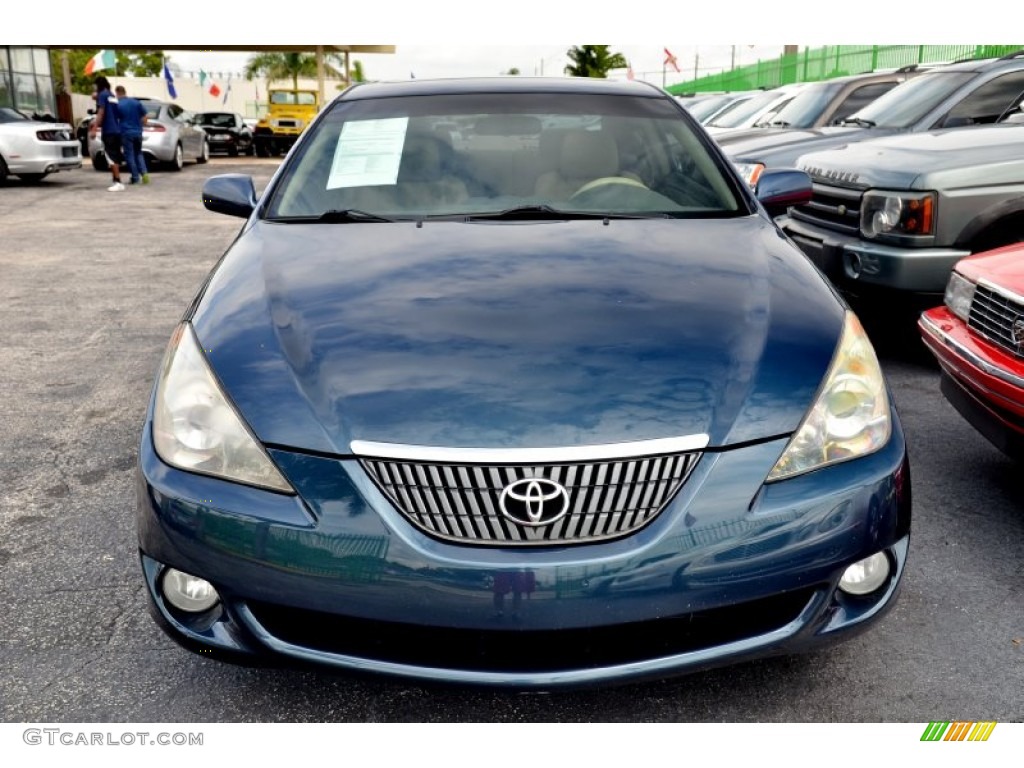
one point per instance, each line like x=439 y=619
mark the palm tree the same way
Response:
x=282 y=66
x=593 y=61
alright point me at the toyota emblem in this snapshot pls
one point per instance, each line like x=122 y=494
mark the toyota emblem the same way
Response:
x=534 y=501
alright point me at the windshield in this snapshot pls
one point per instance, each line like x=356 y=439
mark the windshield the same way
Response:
x=217 y=119
x=740 y=113
x=292 y=97
x=908 y=102
x=807 y=106
x=8 y=115
x=707 y=106
x=542 y=152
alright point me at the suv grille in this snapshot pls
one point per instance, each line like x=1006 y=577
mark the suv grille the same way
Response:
x=461 y=502
x=832 y=207
x=994 y=316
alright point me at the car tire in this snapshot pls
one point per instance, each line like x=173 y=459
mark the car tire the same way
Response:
x=262 y=150
x=99 y=162
x=3 y=171
x=204 y=153
x=233 y=152
x=178 y=161
x=250 y=151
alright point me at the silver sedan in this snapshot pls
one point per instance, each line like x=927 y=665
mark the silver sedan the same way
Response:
x=33 y=149
x=170 y=137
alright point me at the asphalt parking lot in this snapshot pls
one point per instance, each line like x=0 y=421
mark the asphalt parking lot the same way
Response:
x=91 y=286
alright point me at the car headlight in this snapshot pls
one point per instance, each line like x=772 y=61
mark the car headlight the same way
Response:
x=959 y=295
x=196 y=428
x=897 y=213
x=750 y=172
x=850 y=417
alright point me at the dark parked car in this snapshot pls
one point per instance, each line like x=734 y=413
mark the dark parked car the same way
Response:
x=558 y=406
x=227 y=132
x=968 y=93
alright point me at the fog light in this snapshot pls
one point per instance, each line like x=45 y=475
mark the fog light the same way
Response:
x=187 y=592
x=865 y=576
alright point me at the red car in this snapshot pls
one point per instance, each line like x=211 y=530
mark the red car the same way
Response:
x=978 y=339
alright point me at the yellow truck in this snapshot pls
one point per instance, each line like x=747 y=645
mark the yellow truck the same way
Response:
x=289 y=111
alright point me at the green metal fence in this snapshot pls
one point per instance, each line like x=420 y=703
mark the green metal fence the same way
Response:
x=835 y=61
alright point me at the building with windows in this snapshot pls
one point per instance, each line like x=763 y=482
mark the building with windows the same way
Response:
x=26 y=82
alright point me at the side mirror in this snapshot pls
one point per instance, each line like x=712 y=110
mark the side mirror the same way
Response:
x=230 y=193
x=779 y=188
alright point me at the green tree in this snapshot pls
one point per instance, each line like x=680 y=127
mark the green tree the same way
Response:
x=358 y=74
x=513 y=71
x=148 y=64
x=288 y=66
x=593 y=61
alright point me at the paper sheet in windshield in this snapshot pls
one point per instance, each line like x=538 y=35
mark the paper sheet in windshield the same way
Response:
x=368 y=153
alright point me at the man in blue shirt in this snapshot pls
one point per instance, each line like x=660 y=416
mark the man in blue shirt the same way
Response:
x=108 y=121
x=133 y=117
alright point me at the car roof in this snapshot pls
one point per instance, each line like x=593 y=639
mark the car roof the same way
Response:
x=585 y=85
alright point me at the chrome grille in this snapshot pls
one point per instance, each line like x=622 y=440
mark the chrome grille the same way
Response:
x=460 y=502
x=836 y=208
x=993 y=316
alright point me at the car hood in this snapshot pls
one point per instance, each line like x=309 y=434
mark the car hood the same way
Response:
x=517 y=335
x=946 y=158
x=1003 y=267
x=780 y=148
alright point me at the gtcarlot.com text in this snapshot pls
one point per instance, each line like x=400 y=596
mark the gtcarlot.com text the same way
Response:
x=60 y=737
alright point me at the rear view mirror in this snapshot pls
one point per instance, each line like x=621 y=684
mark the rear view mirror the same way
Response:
x=779 y=188
x=230 y=193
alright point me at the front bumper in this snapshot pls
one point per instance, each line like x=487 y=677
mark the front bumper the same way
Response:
x=983 y=382
x=730 y=570
x=850 y=262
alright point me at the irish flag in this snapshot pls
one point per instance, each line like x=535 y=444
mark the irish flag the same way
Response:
x=102 y=60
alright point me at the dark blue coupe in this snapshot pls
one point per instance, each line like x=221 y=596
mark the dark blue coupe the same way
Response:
x=515 y=382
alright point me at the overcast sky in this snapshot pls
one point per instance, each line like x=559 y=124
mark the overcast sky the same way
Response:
x=427 y=61
x=451 y=38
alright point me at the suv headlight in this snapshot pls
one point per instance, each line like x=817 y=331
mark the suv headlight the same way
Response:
x=750 y=172
x=897 y=213
x=850 y=417
x=959 y=295
x=196 y=428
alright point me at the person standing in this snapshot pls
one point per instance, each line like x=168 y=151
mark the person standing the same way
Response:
x=108 y=121
x=133 y=117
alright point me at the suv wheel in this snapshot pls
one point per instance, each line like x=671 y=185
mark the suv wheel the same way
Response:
x=204 y=153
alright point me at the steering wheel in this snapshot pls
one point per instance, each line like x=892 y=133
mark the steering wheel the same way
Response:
x=606 y=180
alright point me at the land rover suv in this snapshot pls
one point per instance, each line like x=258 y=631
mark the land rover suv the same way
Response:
x=898 y=212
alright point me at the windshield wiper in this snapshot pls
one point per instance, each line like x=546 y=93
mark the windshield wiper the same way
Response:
x=350 y=216
x=547 y=213
x=858 y=121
